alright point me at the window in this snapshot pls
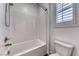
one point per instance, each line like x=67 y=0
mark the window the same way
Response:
x=64 y=12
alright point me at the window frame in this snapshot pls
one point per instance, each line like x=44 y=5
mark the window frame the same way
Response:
x=68 y=23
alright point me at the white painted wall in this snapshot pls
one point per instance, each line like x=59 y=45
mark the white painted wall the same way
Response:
x=65 y=34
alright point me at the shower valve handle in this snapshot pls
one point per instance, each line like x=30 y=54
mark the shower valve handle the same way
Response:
x=6 y=39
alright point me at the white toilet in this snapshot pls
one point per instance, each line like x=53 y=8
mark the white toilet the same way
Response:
x=62 y=49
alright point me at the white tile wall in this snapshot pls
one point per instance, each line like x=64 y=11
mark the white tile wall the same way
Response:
x=23 y=18
x=2 y=28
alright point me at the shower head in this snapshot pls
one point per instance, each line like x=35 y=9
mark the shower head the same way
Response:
x=42 y=6
x=11 y=4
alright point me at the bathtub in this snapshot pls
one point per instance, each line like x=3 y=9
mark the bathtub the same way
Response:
x=30 y=48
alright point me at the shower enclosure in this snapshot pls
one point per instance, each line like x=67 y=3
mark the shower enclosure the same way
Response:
x=25 y=29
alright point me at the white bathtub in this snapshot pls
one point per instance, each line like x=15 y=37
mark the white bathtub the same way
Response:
x=30 y=48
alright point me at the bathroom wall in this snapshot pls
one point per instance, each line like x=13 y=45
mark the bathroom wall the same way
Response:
x=65 y=34
x=41 y=24
x=22 y=22
x=2 y=28
x=28 y=22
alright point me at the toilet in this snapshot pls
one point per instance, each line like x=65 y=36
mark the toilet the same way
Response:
x=62 y=48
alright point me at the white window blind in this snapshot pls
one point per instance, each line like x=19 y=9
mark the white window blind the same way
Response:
x=64 y=12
